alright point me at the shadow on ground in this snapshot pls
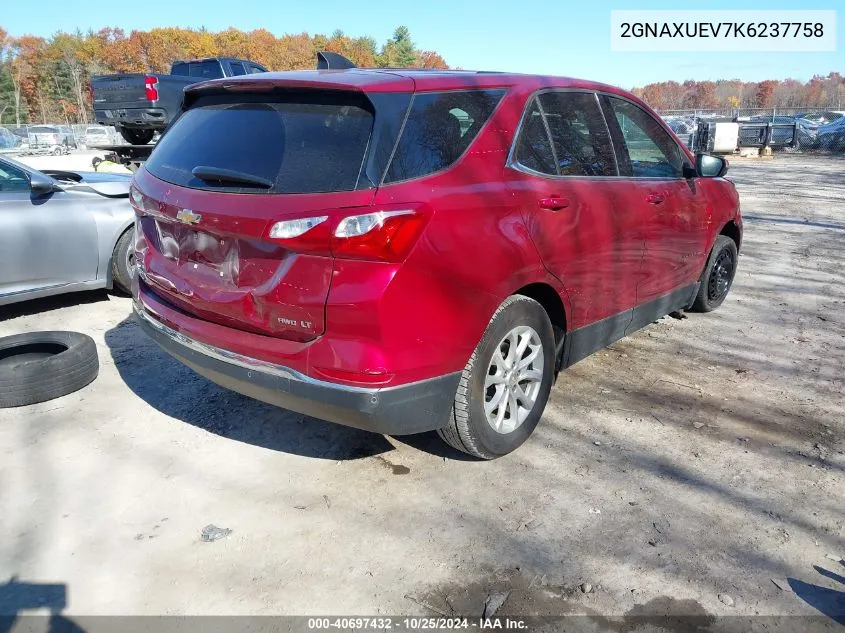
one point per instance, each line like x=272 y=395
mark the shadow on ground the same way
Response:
x=193 y=399
x=830 y=602
x=36 y=306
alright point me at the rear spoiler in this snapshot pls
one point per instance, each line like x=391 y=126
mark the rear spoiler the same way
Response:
x=332 y=61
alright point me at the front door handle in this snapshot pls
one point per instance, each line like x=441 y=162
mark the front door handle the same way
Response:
x=654 y=198
x=554 y=203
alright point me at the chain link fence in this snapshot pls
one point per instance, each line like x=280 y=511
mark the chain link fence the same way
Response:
x=794 y=129
x=57 y=138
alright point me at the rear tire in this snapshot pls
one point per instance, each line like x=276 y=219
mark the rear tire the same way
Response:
x=123 y=261
x=137 y=137
x=718 y=275
x=478 y=424
x=40 y=366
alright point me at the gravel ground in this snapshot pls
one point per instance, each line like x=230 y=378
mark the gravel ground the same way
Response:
x=686 y=469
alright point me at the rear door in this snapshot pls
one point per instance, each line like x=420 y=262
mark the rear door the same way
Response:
x=563 y=174
x=676 y=220
x=295 y=155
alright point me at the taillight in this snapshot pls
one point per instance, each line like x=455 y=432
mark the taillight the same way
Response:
x=311 y=235
x=142 y=203
x=150 y=88
x=90 y=92
x=386 y=235
x=383 y=235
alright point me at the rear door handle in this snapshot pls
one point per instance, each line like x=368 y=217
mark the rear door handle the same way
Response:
x=554 y=203
x=654 y=198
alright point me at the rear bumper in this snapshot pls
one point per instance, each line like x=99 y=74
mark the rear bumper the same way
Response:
x=155 y=118
x=412 y=408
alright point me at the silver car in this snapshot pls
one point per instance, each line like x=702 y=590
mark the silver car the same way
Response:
x=62 y=231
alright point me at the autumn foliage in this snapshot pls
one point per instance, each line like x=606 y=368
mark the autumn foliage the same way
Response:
x=46 y=79
x=817 y=93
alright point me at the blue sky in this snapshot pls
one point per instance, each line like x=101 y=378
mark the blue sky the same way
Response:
x=552 y=37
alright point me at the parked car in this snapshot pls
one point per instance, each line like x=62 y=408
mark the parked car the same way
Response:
x=684 y=130
x=379 y=265
x=97 y=135
x=138 y=105
x=7 y=139
x=44 y=136
x=62 y=231
x=832 y=136
x=821 y=118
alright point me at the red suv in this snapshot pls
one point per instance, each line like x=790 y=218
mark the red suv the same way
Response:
x=401 y=251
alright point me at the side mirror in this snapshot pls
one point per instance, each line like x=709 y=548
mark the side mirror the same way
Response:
x=41 y=184
x=707 y=166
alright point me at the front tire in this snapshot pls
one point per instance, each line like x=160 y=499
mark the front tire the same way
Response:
x=505 y=385
x=718 y=275
x=137 y=137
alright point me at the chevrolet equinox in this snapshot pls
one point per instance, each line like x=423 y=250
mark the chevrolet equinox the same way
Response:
x=406 y=250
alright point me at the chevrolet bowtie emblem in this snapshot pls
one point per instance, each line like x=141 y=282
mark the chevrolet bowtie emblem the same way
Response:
x=188 y=217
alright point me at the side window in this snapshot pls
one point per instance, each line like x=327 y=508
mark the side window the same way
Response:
x=237 y=69
x=534 y=149
x=579 y=134
x=439 y=128
x=255 y=68
x=12 y=179
x=647 y=149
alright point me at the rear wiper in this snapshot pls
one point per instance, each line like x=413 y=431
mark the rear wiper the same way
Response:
x=221 y=176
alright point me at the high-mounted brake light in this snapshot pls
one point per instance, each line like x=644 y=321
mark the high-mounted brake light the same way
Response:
x=150 y=88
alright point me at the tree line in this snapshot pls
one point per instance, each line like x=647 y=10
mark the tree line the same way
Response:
x=46 y=79
x=820 y=92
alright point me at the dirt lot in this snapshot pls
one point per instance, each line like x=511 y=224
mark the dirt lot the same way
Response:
x=685 y=468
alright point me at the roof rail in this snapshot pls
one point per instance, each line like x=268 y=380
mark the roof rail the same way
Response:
x=332 y=61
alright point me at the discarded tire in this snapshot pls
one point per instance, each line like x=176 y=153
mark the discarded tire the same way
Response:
x=40 y=366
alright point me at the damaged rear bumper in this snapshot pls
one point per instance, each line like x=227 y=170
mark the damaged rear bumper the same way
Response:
x=401 y=410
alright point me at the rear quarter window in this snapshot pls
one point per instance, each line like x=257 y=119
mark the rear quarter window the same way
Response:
x=439 y=128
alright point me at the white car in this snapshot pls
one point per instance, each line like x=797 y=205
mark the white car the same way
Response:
x=98 y=135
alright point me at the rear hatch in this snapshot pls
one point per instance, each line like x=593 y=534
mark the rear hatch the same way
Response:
x=119 y=91
x=228 y=170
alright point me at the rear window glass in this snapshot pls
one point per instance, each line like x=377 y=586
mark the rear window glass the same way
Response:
x=302 y=143
x=439 y=128
x=209 y=69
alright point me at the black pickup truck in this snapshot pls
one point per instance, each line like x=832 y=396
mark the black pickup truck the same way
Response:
x=140 y=105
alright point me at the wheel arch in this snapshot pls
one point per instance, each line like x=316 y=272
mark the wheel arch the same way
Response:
x=124 y=229
x=731 y=229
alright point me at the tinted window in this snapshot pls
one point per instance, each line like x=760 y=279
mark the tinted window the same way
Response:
x=301 y=143
x=12 y=179
x=180 y=68
x=534 y=149
x=579 y=134
x=647 y=149
x=439 y=128
x=254 y=68
x=237 y=68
